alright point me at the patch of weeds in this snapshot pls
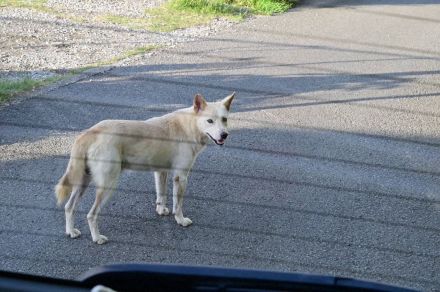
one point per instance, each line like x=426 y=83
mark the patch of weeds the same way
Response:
x=39 y=5
x=33 y=4
x=178 y=14
x=266 y=7
x=232 y=8
x=9 y=88
x=216 y=8
x=166 y=18
x=162 y=19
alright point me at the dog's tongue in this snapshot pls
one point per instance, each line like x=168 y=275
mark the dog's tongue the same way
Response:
x=221 y=141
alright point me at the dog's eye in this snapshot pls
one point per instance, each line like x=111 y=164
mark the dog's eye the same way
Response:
x=210 y=121
x=224 y=120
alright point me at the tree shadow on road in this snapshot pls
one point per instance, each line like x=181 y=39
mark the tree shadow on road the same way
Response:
x=140 y=92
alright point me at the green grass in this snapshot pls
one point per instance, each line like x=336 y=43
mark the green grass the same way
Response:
x=166 y=19
x=9 y=88
x=23 y=3
x=162 y=19
x=238 y=8
x=268 y=7
x=210 y=7
x=39 y=5
x=173 y=15
x=178 y=14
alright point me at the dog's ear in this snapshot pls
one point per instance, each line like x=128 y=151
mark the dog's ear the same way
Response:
x=228 y=100
x=199 y=103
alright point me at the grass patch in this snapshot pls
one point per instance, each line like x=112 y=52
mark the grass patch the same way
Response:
x=162 y=19
x=216 y=8
x=237 y=8
x=178 y=14
x=9 y=88
x=39 y=5
x=33 y=4
x=166 y=19
x=267 y=7
x=173 y=15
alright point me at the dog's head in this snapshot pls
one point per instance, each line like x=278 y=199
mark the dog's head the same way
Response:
x=212 y=117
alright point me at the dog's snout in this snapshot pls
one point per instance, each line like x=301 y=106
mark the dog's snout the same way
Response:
x=224 y=136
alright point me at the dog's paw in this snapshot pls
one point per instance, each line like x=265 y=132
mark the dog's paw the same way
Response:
x=161 y=210
x=183 y=221
x=101 y=239
x=74 y=233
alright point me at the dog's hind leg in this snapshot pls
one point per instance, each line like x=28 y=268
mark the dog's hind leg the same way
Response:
x=69 y=208
x=160 y=179
x=105 y=175
x=179 y=186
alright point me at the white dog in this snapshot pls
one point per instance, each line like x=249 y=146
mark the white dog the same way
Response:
x=171 y=142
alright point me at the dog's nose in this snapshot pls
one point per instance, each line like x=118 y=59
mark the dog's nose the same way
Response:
x=224 y=136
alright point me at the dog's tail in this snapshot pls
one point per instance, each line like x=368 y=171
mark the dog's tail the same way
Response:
x=76 y=169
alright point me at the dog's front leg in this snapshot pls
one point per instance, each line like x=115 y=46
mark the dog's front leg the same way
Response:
x=160 y=178
x=179 y=186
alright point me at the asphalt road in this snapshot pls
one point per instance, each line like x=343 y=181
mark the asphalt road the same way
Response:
x=332 y=166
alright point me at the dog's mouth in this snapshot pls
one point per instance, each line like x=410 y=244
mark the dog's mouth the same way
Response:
x=218 y=142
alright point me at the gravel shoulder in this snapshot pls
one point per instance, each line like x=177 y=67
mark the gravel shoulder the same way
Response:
x=65 y=36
